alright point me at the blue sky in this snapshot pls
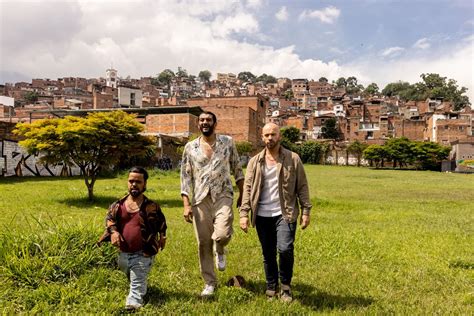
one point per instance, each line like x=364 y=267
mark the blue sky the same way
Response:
x=374 y=40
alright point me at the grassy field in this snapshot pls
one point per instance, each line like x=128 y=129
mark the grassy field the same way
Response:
x=380 y=242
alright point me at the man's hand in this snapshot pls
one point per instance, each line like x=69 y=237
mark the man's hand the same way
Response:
x=244 y=224
x=116 y=239
x=304 y=221
x=162 y=242
x=188 y=213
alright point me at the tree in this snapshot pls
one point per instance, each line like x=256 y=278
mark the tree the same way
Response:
x=371 y=89
x=93 y=143
x=352 y=87
x=431 y=86
x=429 y=155
x=401 y=151
x=289 y=137
x=243 y=147
x=266 y=78
x=288 y=94
x=246 y=76
x=357 y=148
x=165 y=77
x=376 y=154
x=330 y=129
x=341 y=83
x=205 y=75
x=323 y=80
x=181 y=73
x=31 y=96
x=312 y=152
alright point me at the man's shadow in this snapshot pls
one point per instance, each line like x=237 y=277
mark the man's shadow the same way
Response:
x=315 y=299
x=157 y=297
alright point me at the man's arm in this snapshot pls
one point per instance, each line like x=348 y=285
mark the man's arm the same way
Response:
x=302 y=190
x=111 y=225
x=244 y=209
x=186 y=181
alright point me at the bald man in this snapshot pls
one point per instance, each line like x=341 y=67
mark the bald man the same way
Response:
x=275 y=186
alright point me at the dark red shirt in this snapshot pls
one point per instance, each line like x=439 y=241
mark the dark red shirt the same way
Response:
x=131 y=230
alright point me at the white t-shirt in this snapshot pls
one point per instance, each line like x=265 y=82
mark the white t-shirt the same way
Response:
x=269 y=203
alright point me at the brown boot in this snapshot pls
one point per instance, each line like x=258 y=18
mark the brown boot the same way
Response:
x=285 y=293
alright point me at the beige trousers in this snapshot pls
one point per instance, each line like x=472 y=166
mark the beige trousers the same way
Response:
x=213 y=226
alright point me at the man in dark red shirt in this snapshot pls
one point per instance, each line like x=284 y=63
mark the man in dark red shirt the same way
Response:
x=137 y=226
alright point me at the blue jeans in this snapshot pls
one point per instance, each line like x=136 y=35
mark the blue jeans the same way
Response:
x=136 y=267
x=276 y=234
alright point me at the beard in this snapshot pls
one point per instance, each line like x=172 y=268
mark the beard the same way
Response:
x=271 y=145
x=136 y=192
x=207 y=130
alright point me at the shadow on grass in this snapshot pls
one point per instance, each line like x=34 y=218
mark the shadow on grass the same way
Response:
x=315 y=299
x=319 y=300
x=157 y=297
x=99 y=201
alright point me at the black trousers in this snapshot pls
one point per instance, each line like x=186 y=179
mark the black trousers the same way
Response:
x=276 y=234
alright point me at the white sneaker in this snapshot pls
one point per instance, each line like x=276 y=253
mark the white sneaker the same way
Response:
x=220 y=261
x=208 y=290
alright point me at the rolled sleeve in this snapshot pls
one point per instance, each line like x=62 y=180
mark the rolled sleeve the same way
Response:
x=186 y=173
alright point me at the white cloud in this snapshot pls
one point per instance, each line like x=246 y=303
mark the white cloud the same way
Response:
x=422 y=43
x=282 y=14
x=327 y=15
x=241 y=22
x=254 y=4
x=392 y=51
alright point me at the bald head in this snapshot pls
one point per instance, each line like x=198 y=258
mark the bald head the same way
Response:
x=271 y=135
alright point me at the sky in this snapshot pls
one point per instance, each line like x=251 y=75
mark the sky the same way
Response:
x=379 y=41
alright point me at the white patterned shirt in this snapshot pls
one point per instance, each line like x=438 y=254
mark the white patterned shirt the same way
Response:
x=202 y=175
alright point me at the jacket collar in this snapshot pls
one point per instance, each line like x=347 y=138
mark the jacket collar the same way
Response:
x=281 y=154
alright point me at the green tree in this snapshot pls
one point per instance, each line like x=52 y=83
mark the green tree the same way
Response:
x=371 y=89
x=288 y=94
x=341 y=83
x=243 y=147
x=376 y=154
x=312 y=152
x=400 y=151
x=323 y=80
x=266 y=78
x=289 y=137
x=93 y=143
x=357 y=149
x=205 y=75
x=181 y=73
x=246 y=76
x=165 y=77
x=352 y=87
x=330 y=130
x=31 y=96
x=429 y=155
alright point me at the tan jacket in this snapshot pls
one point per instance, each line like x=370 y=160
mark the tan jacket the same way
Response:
x=292 y=186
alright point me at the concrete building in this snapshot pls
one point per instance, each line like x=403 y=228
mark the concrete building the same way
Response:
x=130 y=97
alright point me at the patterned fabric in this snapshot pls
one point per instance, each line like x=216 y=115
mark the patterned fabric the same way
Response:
x=152 y=223
x=201 y=175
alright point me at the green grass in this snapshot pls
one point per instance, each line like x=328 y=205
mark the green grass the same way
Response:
x=380 y=242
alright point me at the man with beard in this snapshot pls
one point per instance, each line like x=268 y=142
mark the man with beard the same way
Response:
x=275 y=184
x=207 y=165
x=137 y=226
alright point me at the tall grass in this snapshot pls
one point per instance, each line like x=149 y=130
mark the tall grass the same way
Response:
x=380 y=242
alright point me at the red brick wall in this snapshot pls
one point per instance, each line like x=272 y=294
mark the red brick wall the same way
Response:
x=182 y=123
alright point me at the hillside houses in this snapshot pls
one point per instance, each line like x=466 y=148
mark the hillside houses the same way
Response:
x=243 y=107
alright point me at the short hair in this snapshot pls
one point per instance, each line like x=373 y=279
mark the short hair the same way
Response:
x=214 y=118
x=140 y=170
